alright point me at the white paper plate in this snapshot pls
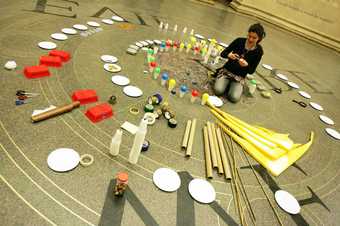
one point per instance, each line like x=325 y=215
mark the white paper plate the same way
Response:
x=109 y=59
x=293 y=85
x=63 y=159
x=199 y=36
x=107 y=21
x=305 y=94
x=47 y=45
x=80 y=27
x=120 y=80
x=316 y=106
x=59 y=36
x=216 y=101
x=287 y=202
x=149 y=41
x=140 y=45
x=166 y=179
x=112 y=68
x=202 y=191
x=282 y=76
x=117 y=18
x=69 y=31
x=144 y=43
x=333 y=133
x=223 y=44
x=266 y=66
x=134 y=47
x=326 y=120
x=93 y=24
x=132 y=91
x=157 y=42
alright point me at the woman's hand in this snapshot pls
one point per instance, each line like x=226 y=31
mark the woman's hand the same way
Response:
x=233 y=56
x=243 y=62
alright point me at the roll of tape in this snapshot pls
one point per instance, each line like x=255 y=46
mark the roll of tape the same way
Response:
x=146 y=145
x=85 y=162
x=113 y=99
x=150 y=118
x=134 y=111
x=172 y=123
x=148 y=108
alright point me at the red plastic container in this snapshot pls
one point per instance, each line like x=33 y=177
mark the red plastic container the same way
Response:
x=36 y=71
x=85 y=96
x=99 y=112
x=51 y=61
x=64 y=56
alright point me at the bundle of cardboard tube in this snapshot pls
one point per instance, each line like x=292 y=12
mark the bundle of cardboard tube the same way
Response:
x=214 y=148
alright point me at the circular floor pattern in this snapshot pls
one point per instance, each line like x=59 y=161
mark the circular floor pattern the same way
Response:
x=333 y=133
x=80 y=27
x=326 y=120
x=63 y=159
x=293 y=85
x=316 y=106
x=107 y=21
x=93 y=24
x=282 y=76
x=132 y=91
x=47 y=45
x=120 y=80
x=216 y=101
x=287 y=202
x=305 y=94
x=69 y=31
x=109 y=59
x=202 y=191
x=59 y=36
x=112 y=68
x=166 y=179
x=117 y=18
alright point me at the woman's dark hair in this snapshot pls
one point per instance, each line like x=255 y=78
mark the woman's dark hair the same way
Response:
x=259 y=30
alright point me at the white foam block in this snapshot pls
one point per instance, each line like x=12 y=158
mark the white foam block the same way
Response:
x=131 y=128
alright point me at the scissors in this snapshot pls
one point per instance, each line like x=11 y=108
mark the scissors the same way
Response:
x=301 y=103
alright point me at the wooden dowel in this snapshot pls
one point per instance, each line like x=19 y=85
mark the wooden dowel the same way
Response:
x=217 y=150
x=191 y=138
x=208 y=165
x=212 y=146
x=226 y=166
x=186 y=135
x=55 y=112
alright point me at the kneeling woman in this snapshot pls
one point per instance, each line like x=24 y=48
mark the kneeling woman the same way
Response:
x=244 y=54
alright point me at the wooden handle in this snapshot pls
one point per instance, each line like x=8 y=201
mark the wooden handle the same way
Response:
x=55 y=112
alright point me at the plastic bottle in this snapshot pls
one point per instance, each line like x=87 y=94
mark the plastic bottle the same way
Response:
x=115 y=142
x=194 y=95
x=205 y=98
x=156 y=72
x=164 y=79
x=183 y=90
x=252 y=86
x=138 y=142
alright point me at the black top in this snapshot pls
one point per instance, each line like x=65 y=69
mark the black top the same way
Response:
x=253 y=57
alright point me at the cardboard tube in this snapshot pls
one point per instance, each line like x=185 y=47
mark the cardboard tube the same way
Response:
x=191 y=138
x=217 y=150
x=186 y=135
x=212 y=146
x=208 y=165
x=223 y=153
x=55 y=112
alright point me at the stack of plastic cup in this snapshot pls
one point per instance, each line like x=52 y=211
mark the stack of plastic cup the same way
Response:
x=156 y=72
x=205 y=98
x=162 y=47
x=172 y=84
x=194 y=95
x=164 y=79
x=183 y=90
x=168 y=45
x=152 y=66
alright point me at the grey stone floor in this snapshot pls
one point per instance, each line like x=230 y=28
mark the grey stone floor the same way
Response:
x=32 y=194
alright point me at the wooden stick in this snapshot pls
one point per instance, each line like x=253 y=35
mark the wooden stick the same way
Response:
x=212 y=146
x=208 y=165
x=263 y=190
x=55 y=112
x=191 y=138
x=217 y=150
x=223 y=154
x=186 y=135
